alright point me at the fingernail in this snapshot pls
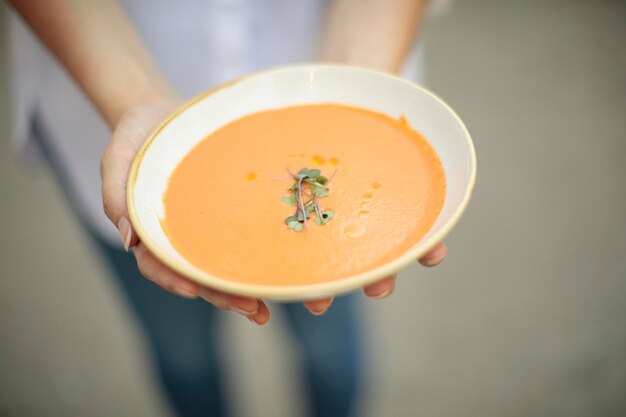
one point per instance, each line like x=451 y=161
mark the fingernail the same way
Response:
x=125 y=232
x=184 y=293
x=434 y=261
x=318 y=312
x=253 y=320
x=383 y=294
x=245 y=312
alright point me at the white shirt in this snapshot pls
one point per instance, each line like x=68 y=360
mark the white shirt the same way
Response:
x=197 y=44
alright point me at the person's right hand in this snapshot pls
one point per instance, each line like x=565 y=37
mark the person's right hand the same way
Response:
x=131 y=131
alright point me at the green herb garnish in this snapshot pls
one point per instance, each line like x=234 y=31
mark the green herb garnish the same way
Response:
x=308 y=188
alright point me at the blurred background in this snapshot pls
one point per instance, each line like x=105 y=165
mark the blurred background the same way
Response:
x=525 y=318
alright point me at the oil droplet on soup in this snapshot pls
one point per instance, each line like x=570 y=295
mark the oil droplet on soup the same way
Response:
x=354 y=229
x=318 y=160
x=367 y=196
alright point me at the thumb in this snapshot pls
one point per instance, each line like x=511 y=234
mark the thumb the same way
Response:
x=131 y=132
x=114 y=168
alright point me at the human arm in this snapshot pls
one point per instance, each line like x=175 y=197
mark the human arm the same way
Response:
x=377 y=34
x=98 y=46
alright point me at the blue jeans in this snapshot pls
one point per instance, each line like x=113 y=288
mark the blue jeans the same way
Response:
x=183 y=335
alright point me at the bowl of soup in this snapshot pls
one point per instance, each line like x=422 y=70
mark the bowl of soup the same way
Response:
x=301 y=182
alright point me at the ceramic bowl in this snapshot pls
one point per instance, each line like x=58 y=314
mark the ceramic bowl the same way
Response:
x=283 y=87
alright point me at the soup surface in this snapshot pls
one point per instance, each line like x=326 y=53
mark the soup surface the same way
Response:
x=223 y=208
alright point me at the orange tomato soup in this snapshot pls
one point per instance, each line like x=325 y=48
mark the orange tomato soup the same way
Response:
x=223 y=208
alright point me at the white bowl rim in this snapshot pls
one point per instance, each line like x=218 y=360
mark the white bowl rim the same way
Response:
x=308 y=291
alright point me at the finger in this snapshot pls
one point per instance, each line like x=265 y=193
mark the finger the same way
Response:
x=217 y=298
x=382 y=288
x=246 y=306
x=262 y=316
x=318 y=307
x=435 y=256
x=117 y=159
x=152 y=269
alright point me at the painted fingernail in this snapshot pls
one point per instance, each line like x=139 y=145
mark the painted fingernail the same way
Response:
x=434 y=261
x=125 y=232
x=184 y=293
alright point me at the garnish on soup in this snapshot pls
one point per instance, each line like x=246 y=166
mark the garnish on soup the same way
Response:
x=308 y=188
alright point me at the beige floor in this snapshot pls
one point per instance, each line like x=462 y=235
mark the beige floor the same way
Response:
x=526 y=318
